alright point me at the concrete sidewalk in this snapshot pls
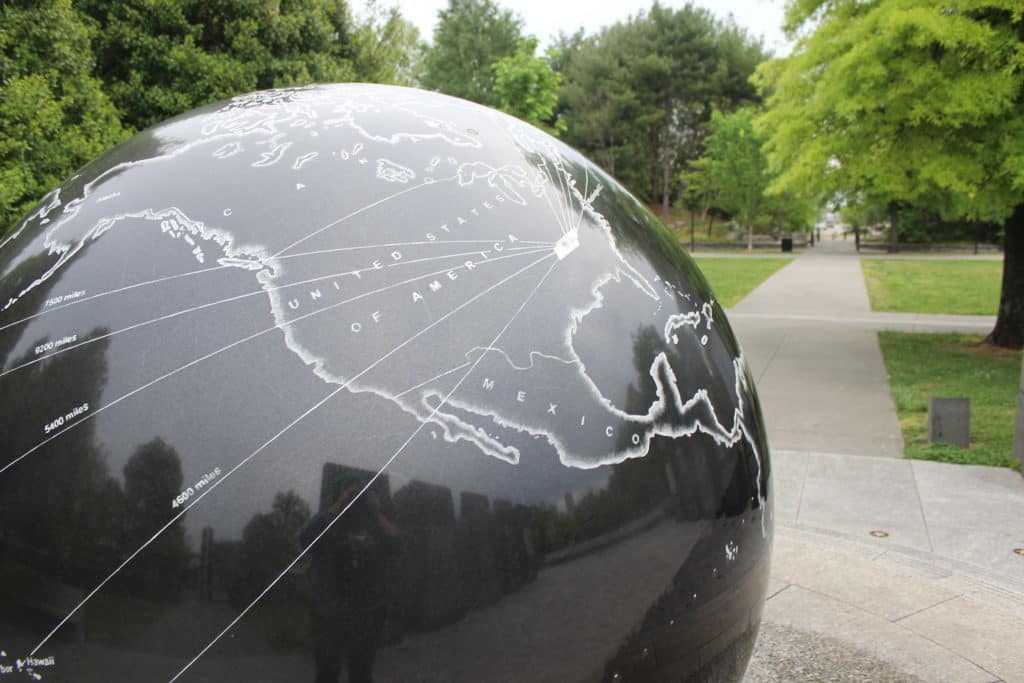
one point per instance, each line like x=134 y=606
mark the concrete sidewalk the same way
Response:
x=823 y=385
x=937 y=592
x=939 y=598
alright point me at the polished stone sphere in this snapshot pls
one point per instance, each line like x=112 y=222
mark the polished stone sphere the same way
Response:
x=360 y=382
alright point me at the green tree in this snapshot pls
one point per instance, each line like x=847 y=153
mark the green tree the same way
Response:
x=739 y=168
x=387 y=47
x=639 y=94
x=597 y=100
x=909 y=102
x=54 y=116
x=526 y=86
x=700 y=193
x=158 y=58
x=471 y=35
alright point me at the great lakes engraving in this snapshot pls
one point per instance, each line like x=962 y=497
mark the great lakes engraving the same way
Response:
x=427 y=287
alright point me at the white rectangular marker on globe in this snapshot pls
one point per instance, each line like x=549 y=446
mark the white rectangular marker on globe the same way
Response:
x=567 y=244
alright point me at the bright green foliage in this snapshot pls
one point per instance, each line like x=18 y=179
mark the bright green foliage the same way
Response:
x=526 y=86
x=158 y=58
x=53 y=115
x=915 y=102
x=734 y=278
x=962 y=287
x=905 y=100
x=739 y=168
x=638 y=96
x=471 y=35
x=921 y=366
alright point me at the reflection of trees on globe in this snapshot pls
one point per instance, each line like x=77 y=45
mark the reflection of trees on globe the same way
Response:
x=395 y=384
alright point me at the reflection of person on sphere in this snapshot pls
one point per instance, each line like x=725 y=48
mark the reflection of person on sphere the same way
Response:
x=348 y=576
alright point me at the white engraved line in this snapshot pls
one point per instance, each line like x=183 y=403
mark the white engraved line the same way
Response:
x=362 y=209
x=291 y=424
x=112 y=291
x=565 y=189
x=366 y=486
x=586 y=187
x=175 y=314
x=542 y=168
x=432 y=379
x=566 y=211
x=91 y=415
x=558 y=217
x=439 y=258
x=539 y=354
x=529 y=246
x=408 y=244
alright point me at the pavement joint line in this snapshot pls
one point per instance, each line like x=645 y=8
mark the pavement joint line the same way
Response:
x=925 y=609
x=880 y=555
x=803 y=486
x=777 y=592
x=904 y=627
x=920 y=508
x=996 y=677
x=983 y=576
x=771 y=360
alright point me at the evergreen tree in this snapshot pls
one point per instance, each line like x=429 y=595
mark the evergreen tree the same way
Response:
x=471 y=35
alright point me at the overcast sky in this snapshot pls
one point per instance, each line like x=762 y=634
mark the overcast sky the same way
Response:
x=545 y=18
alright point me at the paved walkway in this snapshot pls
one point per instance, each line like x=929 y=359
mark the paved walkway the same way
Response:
x=939 y=597
x=822 y=383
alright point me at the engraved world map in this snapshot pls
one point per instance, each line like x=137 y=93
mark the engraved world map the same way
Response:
x=400 y=253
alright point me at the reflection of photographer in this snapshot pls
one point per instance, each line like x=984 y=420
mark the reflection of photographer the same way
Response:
x=348 y=576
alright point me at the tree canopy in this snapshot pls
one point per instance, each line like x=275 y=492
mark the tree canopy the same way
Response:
x=915 y=101
x=526 y=86
x=738 y=167
x=638 y=96
x=81 y=75
x=471 y=35
x=54 y=115
x=158 y=58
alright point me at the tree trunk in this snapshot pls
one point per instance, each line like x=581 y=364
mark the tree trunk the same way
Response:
x=894 y=213
x=1009 y=329
x=611 y=153
x=711 y=222
x=666 y=176
x=750 y=237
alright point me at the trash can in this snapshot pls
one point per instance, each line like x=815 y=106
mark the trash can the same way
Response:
x=787 y=244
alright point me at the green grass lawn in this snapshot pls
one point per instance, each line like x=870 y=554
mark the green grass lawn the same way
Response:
x=933 y=286
x=921 y=366
x=734 y=278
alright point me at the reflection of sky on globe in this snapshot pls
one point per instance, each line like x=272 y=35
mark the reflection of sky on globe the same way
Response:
x=545 y=19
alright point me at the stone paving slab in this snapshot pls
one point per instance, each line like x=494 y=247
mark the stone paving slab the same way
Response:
x=967 y=516
x=863 y=611
x=941 y=598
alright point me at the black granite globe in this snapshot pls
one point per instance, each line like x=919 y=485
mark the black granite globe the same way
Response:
x=360 y=382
